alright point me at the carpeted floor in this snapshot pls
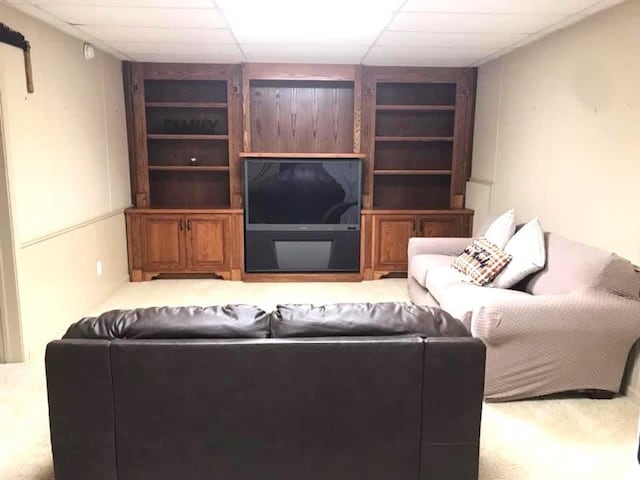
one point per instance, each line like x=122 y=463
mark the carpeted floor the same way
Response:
x=563 y=439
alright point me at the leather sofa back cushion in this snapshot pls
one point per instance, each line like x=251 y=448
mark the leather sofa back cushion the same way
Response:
x=225 y=321
x=375 y=319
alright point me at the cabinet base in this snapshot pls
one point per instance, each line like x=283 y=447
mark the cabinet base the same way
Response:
x=302 y=277
x=144 y=276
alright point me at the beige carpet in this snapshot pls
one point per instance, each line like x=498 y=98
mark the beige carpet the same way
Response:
x=563 y=439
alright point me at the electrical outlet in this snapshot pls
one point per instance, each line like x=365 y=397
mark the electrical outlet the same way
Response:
x=99 y=268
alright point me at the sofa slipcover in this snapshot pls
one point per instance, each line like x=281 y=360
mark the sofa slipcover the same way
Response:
x=571 y=328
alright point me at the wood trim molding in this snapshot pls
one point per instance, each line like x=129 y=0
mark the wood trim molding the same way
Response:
x=299 y=71
x=78 y=226
x=187 y=71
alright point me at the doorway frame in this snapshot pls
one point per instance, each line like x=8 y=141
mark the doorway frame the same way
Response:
x=11 y=344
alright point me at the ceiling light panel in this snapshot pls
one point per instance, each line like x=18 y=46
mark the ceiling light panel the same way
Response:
x=167 y=35
x=448 y=40
x=499 y=6
x=304 y=53
x=138 y=16
x=470 y=23
x=353 y=22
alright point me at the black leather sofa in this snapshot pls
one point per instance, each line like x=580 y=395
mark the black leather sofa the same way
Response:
x=336 y=392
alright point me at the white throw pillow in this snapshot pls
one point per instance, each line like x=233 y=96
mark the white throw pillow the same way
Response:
x=502 y=229
x=528 y=255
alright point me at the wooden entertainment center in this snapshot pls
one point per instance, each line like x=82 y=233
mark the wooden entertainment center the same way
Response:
x=191 y=125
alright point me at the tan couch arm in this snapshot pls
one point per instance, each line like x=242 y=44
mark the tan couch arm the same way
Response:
x=545 y=344
x=590 y=310
x=437 y=246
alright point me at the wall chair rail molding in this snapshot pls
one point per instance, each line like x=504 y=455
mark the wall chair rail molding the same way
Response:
x=78 y=226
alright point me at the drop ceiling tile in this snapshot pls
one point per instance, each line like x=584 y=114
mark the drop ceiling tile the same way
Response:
x=137 y=16
x=202 y=58
x=468 y=23
x=498 y=6
x=169 y=35
x=130 y=3
x=434 y=39
x=36 y=12
x=157 y=48
x=568 y=21
x=453 y=57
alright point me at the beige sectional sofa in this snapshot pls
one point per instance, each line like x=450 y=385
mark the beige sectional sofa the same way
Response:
x=568 y=327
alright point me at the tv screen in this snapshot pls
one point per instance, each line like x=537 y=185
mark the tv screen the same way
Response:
x=295 y=194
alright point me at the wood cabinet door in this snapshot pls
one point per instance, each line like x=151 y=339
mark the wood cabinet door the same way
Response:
x=441 y=226
x=391 y=239
x=164 y=248
x=208 y=244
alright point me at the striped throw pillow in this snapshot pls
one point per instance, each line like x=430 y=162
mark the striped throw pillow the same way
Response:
x=481 y=261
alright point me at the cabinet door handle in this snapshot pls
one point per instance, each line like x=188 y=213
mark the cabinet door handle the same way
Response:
x=189 y=225
x=422 y=226
x=413 y=225
x=181 y=225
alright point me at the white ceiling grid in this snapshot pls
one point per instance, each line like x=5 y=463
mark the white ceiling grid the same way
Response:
x=373 y=32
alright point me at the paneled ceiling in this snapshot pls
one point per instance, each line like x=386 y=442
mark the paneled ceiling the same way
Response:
x=372 y=32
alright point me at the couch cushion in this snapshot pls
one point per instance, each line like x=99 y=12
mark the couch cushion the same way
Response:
x=572 y=265
x=345 y=319
x=229 y=321
x=420 y=265
x=439 y=278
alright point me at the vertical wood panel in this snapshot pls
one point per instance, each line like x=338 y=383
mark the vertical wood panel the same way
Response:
x=137 y=131
x=357 y=110
x=234 y=95
x=301 y=116
x=246 y=110
x=462 y=137
x=367 y=140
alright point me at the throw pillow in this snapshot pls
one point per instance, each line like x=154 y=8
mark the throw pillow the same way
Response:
x=502 y=229
x=528 y=255
x=481 y=261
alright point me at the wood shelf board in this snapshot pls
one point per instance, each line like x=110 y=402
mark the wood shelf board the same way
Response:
x=187 y=168
x=416 y=108
x=414 y=139
x=229 y=211
x=412 y=172
x=388 y=211
x=216 y=105
x=300 y=155
x=164 y=136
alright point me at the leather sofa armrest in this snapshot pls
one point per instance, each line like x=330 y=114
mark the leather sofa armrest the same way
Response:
x=454 y=371
x=81 y=413
x=437 y=245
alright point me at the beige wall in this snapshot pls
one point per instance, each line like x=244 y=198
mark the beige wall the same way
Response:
x=558 y=134
x=67 y=168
